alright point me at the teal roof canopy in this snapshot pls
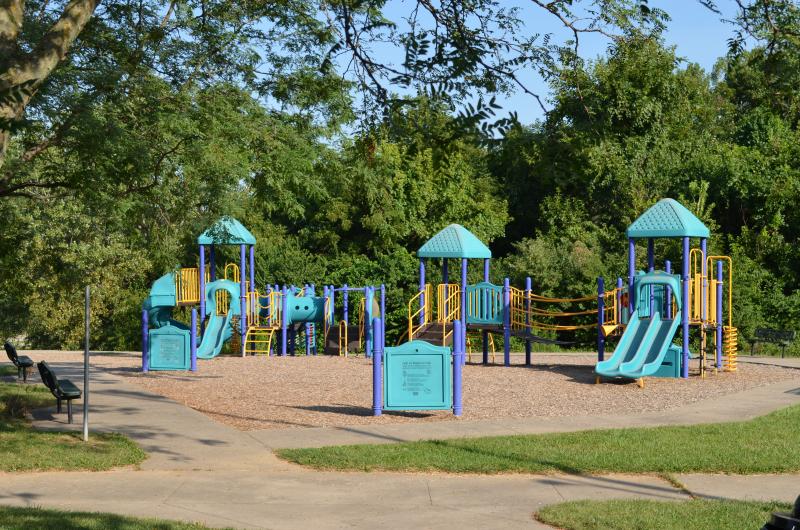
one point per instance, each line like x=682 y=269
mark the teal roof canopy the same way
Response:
x=454 y=241
x=667 y=218
x=226 y=231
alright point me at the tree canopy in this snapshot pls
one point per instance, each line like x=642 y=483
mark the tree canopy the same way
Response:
x=126 y=128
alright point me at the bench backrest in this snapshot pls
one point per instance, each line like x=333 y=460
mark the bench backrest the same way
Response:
x=11 y=351
x=48 y=377
x=774 y=335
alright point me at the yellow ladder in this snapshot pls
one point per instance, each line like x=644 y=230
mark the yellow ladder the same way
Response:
x=730 y=342
x=258 y=340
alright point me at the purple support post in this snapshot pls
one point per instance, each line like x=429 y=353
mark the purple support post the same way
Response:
x=668 y=291
x=243 y=294
x=313 y=324
x=422 y=290
x=193 y=341
x=145 y=340
x=506 y=322
x=212 y=258
x=685 y=311
x=201 y=273
x=252 y=267
x=284 y=320
x=719 y=314
x=464 y=300
x=377 y=364
x=485 y=333
x=631 y=271
x=445 y=281
x=704 y=283
x=383 y=312
x=344 y=303
x=601 y=305
x=458 y=355
x=332 y=291
x=651 y=266
x=307 y=327
x=528 y=321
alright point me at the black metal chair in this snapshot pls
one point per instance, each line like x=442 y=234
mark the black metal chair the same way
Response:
x=22 y=362
x=62 y=389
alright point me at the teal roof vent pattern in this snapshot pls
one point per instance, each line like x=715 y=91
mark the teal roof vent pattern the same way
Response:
x=226 y=231
x=454 y=241
x=667 y=218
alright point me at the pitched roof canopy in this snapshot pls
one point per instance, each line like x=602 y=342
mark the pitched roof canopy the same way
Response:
x=454 y=241
x=667 y=218
x=226 y=231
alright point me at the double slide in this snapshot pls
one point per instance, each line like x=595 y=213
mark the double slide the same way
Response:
x=647 y=341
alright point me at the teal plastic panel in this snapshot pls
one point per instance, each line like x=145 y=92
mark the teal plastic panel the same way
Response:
x=417 y=376
x=454 y=241
x=484 y=304
x=671 y=365
x=169 y=348
x=305 y=308
x=667 y=218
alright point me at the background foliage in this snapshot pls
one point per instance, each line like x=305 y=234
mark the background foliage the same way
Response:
x=154 y=152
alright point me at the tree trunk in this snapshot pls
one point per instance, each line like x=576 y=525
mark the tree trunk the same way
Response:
x=21 y=74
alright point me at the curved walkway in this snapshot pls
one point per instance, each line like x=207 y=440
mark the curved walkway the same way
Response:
x=203 y=471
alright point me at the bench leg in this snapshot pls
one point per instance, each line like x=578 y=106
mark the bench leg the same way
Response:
x=19 y=373
x=58 y=406
x=24 y=375
x=69 y=411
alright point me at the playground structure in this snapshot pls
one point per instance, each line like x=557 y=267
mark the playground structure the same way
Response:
x=483 y=308
x=232 y=309
x=662 y=303
x=655 y=310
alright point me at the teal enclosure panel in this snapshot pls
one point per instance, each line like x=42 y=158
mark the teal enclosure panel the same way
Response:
x=671 y=366
x=305 y=308
x=417 y=376
x=169 y=348
x=485 y=304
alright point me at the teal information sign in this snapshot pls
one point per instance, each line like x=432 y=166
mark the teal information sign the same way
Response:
x=417 y=376
x=169 y=348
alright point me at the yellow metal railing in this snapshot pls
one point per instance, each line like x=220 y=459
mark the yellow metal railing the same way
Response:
x=424 y=310
x=448 y=307
x=258 y=341
x=448 y=302
x=187 y=286
x=478 y=337
x=342 y=338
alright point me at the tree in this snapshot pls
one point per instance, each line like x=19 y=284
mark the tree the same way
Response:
x=60 y=58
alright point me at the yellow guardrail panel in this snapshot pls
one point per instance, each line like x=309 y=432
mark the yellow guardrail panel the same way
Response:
x=425 y=310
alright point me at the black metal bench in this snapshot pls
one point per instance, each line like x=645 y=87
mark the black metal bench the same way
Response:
x=22 y=362
x=772 y=336
x=62 y=389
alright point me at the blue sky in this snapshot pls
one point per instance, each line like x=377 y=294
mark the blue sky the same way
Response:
x=699 y=35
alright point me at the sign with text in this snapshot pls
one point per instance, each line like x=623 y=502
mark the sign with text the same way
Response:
x=417 y=376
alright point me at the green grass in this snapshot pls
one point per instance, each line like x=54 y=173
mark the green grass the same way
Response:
x=8 y=369
x=768 y=444
x=58 y=520
x=25 y=449
x=661 y=515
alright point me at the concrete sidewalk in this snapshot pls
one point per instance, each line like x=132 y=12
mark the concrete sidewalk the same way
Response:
x=200 y=470
x=303 y=499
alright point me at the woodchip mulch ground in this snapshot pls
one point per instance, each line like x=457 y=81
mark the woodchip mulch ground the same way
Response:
x=273 y=392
